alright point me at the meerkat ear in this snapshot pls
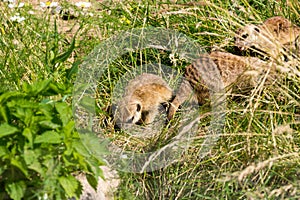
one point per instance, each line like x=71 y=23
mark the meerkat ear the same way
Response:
x=138 y=107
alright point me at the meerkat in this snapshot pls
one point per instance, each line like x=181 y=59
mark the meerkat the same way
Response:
x=231 y=68
x=141 y=100
x=273 y=36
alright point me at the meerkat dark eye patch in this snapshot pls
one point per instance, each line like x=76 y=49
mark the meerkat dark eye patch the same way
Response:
x=286 y=59
x=244 y=36
x=129 y=121
x=138 y=107
x=257 y=29
x=296 y=42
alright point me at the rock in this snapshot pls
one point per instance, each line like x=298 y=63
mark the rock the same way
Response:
x=105 y=187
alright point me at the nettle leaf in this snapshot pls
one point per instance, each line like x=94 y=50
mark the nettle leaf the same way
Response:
x=29 y=156
x=3 y=151
x=28 y=135
x=37 y=87
x=23 y=109
x=95 y=166
x=24 y=114
x=81 y=162
x=57 y=89
x=68 y=139
x=16 y=190
x=97 y=146
x=45 y=109
x=93 y=181
x=51 y=137
x=68 y=129
x=36 y=166
x=23 y=103
x=20 y=165
x=14 y=94
x=64 y=111
x=4 y=113
x=80 y=148
x=31 y=159
x=6 y=129
x=69 y=184
x=49 y=125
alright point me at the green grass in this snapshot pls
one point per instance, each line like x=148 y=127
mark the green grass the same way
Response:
x=257 y=155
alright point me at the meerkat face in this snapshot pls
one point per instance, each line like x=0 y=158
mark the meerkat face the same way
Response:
x=128 y=113
x=134 y=113
x=248 y=36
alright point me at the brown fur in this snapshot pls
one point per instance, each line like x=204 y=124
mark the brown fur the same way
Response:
x=141 y=100
x=230 y=67
x=270 y=37
x=282 y=29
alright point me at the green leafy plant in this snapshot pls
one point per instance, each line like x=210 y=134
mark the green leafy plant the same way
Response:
x=40 y=151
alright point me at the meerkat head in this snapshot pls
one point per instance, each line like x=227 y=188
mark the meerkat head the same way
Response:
x=248 y=36
x=260 y=37
x=128 y=113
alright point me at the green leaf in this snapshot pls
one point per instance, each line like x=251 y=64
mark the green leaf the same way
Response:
x=81 y=162
x=74 y=69
x=26 y=87
x=94 y=166
x=49 y=125
x=88 y=103
x=64 y=111
x=50 y=137
x=31 y=159
x=97 y=146
x=23 y=103
x=64 y=56
x=20 y=165
x=6 y=129
x=3 y=151
x=16 y=190
x=36 y=166
x=80 y=148
x=28 y=135
x=2 y=169
x=36 y=87
x=93 y=181
x=40 y=86
x=23 y=109
x=29 y=156
x=70 y=185
x=4 y=97
x=46 y=109
x=57 y=88
x=4 y=113
x=68 y=139
x=68 y=129
x=24 y=114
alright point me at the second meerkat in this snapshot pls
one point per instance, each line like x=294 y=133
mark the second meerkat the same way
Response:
x=233 y=70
